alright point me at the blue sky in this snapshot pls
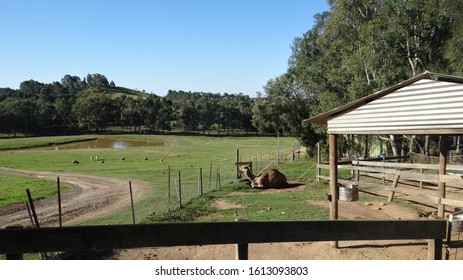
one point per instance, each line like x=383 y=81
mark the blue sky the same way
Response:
x=218 y=46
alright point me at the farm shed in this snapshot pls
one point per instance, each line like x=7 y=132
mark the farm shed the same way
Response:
x=427 y=104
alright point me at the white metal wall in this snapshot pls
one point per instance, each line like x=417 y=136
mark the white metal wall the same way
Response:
x=423 y=105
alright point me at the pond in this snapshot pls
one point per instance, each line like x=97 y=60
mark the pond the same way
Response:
x=106 y=143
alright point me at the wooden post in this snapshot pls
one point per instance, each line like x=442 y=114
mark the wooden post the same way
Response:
x=421 y=182
x=242 y=251
x=31 y=203
x=318 y=170
x=131 y=202
x=210 y=176
x=394 y=186
x=36 y=220
x=59 y=203
x=435 y=249
x=31 y=219
x=217 y=183
x=334 y=190
x=200 y=182
x=238 y=173
x=168 y=183
x=256 y=165
x=443 y=148
x=179 y=192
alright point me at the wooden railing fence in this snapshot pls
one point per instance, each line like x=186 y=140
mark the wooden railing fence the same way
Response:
x=402 y=172
x=16 y=241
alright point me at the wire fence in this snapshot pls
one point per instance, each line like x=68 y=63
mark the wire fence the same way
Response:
x=182 y=186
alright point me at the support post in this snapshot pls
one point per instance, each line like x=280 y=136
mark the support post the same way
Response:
x=242 y=251
x=443 y=148
x=334 y=190
x=435 y=249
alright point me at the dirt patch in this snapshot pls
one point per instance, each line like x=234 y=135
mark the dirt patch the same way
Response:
x=221 y=204
x=90 y=196
x=376 y=210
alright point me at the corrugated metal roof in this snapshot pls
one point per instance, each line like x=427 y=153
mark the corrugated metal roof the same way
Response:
x=429 y=103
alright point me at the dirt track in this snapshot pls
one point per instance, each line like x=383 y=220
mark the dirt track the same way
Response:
x=90 y=196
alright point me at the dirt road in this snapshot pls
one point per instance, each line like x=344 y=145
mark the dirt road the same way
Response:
x=90 y=196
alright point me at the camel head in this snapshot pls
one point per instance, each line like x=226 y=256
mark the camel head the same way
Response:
x=246 y=169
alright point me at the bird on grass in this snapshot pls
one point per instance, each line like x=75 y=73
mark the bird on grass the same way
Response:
x=239 y=218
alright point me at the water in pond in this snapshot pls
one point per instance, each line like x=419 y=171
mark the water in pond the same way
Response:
x=105 y=143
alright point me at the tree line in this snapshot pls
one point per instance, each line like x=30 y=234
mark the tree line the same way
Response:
x=93 y=104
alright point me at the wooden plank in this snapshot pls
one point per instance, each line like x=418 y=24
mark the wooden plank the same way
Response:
x=451 y=179
x=451 y=202
x=396 y=164
x=405 y=175
x=13 y=241
x=407 y=165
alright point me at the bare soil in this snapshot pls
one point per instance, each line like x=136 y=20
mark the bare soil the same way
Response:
x=347 y=250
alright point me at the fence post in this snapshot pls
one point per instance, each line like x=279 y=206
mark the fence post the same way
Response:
x=238 y=173
x=59 y=203
x=131 y=202
x=217 y=182
x=200 y=182
x=210 y=176
x=31 y=203
x=179 y=191
x=434 y=249
x=168 y=184
x=242 y=251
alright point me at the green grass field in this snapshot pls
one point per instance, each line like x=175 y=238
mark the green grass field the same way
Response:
x=185 y=154
x=12 y=189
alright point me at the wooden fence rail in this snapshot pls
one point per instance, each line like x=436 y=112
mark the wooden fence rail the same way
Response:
x=16 y=241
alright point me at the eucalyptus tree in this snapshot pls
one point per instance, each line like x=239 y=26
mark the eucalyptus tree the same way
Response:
x=361 y=46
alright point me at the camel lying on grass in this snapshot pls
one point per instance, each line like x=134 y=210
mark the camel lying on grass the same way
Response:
x=271 y=179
